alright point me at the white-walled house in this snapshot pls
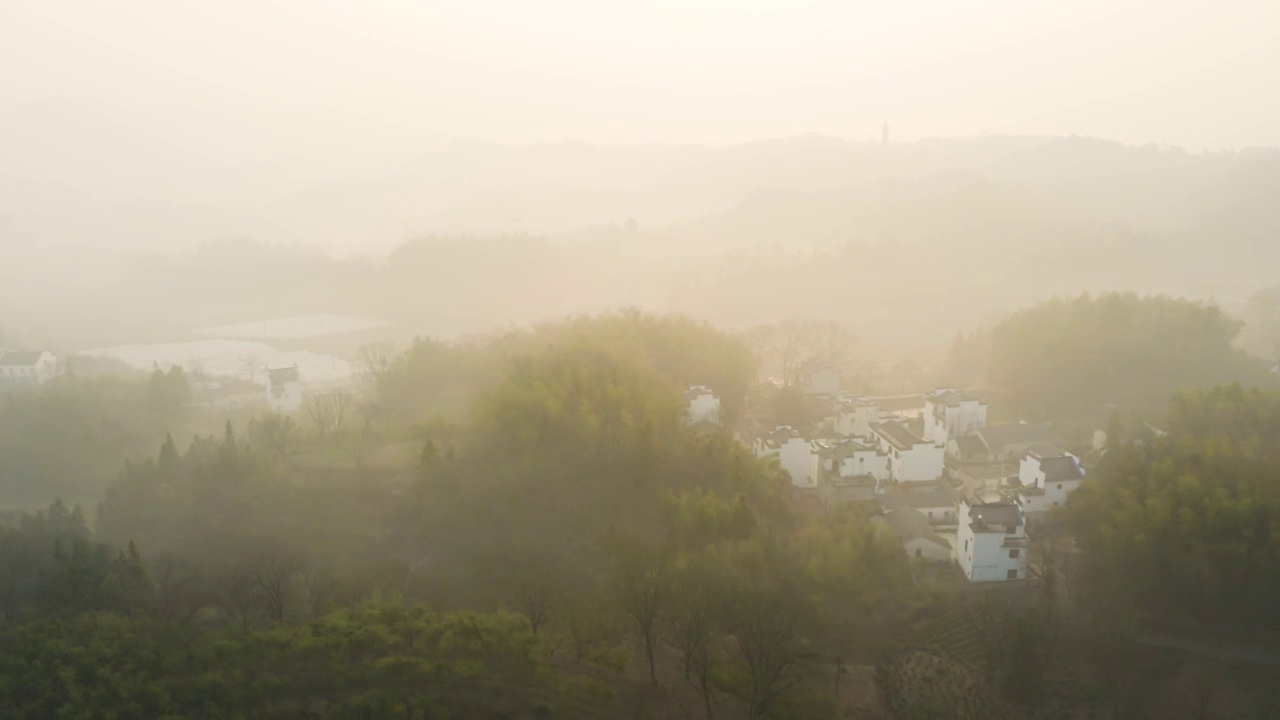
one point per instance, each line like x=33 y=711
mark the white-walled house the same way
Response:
x=911 y=457
x=284 y=389
x=938 y=503
x=854 y=458
x=797 y=456
x=768 y=443
x=991 y=541
x=854 y=417
x=26 y=368
x=918 y=537
x=1046 y=476
x=704 y=406
x=949 y=414
x=1005 y=442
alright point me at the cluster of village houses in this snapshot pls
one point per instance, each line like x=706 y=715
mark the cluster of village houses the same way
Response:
x=30 y=368
x=26 y=368
x=950 y=487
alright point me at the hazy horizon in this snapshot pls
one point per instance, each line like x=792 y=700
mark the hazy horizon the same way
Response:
x=330 y=90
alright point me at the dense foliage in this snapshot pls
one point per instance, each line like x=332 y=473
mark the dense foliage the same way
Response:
x=105 y=419
x=1188 y=521
x=576 y=529
x=1076 y=357
x=559 y=542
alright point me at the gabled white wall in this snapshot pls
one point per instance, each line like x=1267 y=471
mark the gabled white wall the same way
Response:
x=704 y=406
x=866 y=462
x=982 y=556
x=798 y=459
x=919 y=463
x=1055 y=493
x=288 y=399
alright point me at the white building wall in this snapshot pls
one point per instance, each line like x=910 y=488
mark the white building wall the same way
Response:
x=921 y=463
x=798 y=459
x=285 y=399
x=934 y=430
x=1055 y=493
x=939 y=514
x=922 y=549
x=868 y=462
x=982 y=556
x=969 y=415
x=704 y=407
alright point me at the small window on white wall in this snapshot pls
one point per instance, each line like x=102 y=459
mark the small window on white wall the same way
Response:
x=1013 y=553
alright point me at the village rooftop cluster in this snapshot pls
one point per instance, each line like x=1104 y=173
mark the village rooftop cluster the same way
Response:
x=955 y=491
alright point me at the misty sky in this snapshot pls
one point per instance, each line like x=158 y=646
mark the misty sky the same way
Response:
x=245 y=80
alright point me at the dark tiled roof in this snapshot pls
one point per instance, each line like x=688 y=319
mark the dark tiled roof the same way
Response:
x=846 y=449
x=20 y=357
x=910 y=524
x=898 y=403
x=995 y=514
x=970 y=444
x=781 y=435
x=898 y=435
x=997 y=437
x=940 y=497
x=1061 y=468
x=1045 y=450
x=283 y=374
x=696 y=391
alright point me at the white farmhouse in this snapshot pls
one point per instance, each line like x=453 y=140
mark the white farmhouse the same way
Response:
x=991 y=541
x=1004 y=442
x=26 y=368
x=919 y=538
x=797 y=455
x=911 y=457
x=936 y=502
x=949 y=414
x=704 y=406
x=1046 y=476
x=284 y=389
x=854 y=458
x=854 y=417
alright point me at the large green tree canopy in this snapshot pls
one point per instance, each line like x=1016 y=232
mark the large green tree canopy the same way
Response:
x=1190 y=521
x=1074 y=357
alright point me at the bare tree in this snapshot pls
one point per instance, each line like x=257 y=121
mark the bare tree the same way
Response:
x=794 y=341
x=198 y=373
x=373 y=362
x=250 y=362
x=692 y=631
x=328 y=410
x=273 y=573
x=321 y=589
x=534 y=598
x=239 y=595
x=181 y=592
x=274 y=432
x=639 y=581
x=769 y=637
x=788 y=345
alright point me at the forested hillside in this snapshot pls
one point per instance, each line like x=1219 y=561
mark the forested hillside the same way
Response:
x=525 y=526
x=1083 y=357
